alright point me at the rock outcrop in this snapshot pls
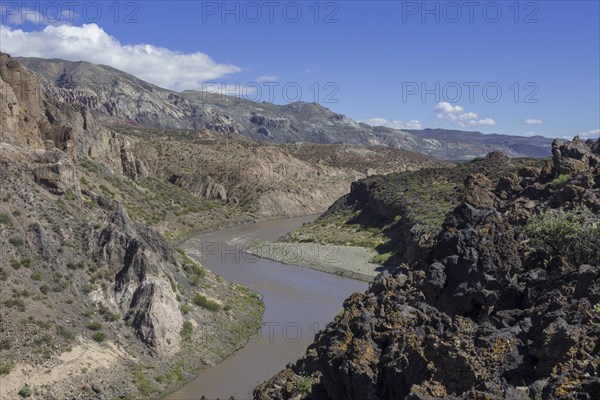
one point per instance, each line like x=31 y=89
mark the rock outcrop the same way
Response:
x=487 y=317
x=140 y=261
x=55 y=171
x=204 y=187
x=86 y=292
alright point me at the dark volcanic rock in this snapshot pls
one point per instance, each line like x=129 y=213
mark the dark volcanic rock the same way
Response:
x=488 y=318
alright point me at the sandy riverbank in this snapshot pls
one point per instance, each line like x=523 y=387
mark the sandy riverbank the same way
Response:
x=350 y=261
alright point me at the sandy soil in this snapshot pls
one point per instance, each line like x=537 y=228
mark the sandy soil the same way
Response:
x=84 y=365
x=351 y=261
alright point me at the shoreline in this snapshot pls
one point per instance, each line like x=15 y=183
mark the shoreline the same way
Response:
x=347 y=261
x=236 y=224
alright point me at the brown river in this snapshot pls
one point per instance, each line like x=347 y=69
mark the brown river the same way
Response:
x=298 y=303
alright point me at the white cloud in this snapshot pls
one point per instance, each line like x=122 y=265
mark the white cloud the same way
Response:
x=458 y=116
x=158 y=65
x=306 y=71
x=533 y=121
x=267 y=78
x=530 y=134
x=395 y=124
x=593 y=134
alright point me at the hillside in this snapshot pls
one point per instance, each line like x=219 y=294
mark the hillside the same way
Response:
x=400 y=214
x=505 y=303
x=103 y=302
x=89 y=213
x=121 y=99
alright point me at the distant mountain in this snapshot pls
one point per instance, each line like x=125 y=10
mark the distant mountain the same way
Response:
x=513 y=146
x=119 y=98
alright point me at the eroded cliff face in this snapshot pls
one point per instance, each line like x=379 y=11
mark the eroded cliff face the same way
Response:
x=85 y=290
x=489 y=316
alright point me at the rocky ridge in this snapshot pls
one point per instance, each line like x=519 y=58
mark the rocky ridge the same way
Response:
x=85 y=290
x=497 y=308
x=118 y=98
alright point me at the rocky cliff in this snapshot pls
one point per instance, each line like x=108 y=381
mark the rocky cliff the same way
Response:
x=506 y=305
x=86 y=293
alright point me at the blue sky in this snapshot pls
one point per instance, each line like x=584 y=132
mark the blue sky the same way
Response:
x=368 y=60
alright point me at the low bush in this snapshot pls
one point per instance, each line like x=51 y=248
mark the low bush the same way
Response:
x=185 y=308
x=26 y=391
x=94 y=326
x=16 y=241
x=5 y=367
x=559 y=181
x=99 y=337
x=572 y=234
x=202 y=301
x=187 y=329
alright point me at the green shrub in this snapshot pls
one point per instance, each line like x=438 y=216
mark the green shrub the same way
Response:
x=87 y=288
x=36 y=276
x=202 y=301
x=71 y=265
x=5 y=219
x=26 y=262
x=16 y=241
x=94 y=326
x=381 y=259
x=108 y=315
x=19 y=304
x=99 y=337
x=570 y=234
x=26 y=391
x=44 y=289
x=46 y=338
x=65 y=333
x=187 y=329
x=5 y=367
x=185 y=308
x=145 y=387
x=15 y=264
x=559 y=181
x=305 y=384
x=3 y=275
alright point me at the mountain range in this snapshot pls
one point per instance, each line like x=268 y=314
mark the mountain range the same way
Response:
x=118 y=98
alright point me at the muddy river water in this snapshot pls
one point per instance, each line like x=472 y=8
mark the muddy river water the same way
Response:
x=298 y=303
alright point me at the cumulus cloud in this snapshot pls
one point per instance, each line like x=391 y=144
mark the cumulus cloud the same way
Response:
x=267 y=78
x=533 y=121
x=395 y=124
x=457 y=115
x=593 y=134
x=158 y=65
